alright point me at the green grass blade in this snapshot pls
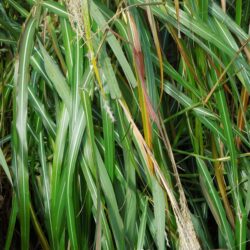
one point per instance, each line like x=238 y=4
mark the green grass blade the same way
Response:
x=53 y=6
x=68 y=42
x=115 y=218
x=57 y=78
x=172 y=91
x=39 y=107
x=46 y=188
x=72 y=148
x=233 y=174
x=79 y=126
x=238 y=11
x=93 y=163
x=216 y=11
x=77 y=75
x=222 y=223
x=159 y=211
x=109 y=75
x=12 y=222
x=109 y=141
x=142 y=227
x=58 y=156
x=204 y=10
x=130 y=170
x=20 y=117
x=113 y=43
x=93 y=192
x=5 y=167
x=18 y=7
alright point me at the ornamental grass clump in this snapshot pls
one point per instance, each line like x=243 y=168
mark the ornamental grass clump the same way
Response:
x=124 y=124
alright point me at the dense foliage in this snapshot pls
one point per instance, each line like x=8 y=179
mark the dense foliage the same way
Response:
x=124 y=124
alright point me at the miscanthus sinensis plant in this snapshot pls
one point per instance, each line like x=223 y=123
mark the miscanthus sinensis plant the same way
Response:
x=124 y=124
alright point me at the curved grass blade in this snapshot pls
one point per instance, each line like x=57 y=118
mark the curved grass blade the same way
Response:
x=201 y=113
x=20 y=123
x=217 y=12
x=18 y=7
x=54 y=7
x=57 y=79
x=37 y=63
x=74 y=146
